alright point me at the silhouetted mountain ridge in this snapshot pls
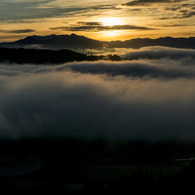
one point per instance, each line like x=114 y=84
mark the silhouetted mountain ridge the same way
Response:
x=74 y=41
x=54 y=42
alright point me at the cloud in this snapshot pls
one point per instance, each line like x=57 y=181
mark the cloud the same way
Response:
x=181 y=6
x=183 y=11
x=153 y=62
x=97 y=26
x=59 y=101
x=23 y=1
x=157 y=52
x=178 y=11
x=32 y=11
x=148 y=2
x=151 y=52
x=186 y=14
x=21 y=31
x=138 y=69
x=24 y=11
x=90 y=23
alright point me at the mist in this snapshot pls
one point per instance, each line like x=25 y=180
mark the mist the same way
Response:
x=150 y=52
x=147 y=99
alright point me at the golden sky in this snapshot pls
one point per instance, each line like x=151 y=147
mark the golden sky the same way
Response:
x=97 y=19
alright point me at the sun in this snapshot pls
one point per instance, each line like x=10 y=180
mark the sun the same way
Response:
x=111 y=21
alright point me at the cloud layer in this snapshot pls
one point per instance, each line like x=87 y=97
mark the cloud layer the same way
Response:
x=98 y=26
x=148 y=2
x=156 y=52
x=88 y=100
x=18 y=31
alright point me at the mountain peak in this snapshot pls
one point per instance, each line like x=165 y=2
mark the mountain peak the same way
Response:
x=73 y=34
x=74 y=41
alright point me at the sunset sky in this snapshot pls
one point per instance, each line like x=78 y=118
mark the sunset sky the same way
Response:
x=101 y=20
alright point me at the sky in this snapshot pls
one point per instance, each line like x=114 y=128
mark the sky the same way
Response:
x=97 y=19
x=151 y=97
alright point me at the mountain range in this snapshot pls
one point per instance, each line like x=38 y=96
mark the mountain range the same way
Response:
x=75 y=42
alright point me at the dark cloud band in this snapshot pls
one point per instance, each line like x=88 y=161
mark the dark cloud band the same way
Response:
x=95 y=26
x=148 y=2
x=18 y=31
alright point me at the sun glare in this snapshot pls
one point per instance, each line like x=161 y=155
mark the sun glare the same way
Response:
x=111 y=33
x=111 y=21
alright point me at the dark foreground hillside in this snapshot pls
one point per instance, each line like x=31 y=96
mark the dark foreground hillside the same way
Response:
x=35 y=56
x=96 y=166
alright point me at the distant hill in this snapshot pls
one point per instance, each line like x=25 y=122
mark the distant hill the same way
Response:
x=163 y=41
x=37 y=56
x=54 y=42
x=74 y=41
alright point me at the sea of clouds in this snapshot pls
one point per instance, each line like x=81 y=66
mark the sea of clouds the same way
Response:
x=150 y=97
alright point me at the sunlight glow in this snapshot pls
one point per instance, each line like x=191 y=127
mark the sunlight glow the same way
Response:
x=111 y=33
x=111 y=21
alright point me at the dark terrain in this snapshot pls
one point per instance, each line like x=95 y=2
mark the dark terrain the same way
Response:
x=38 y=56
x=96 y=166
